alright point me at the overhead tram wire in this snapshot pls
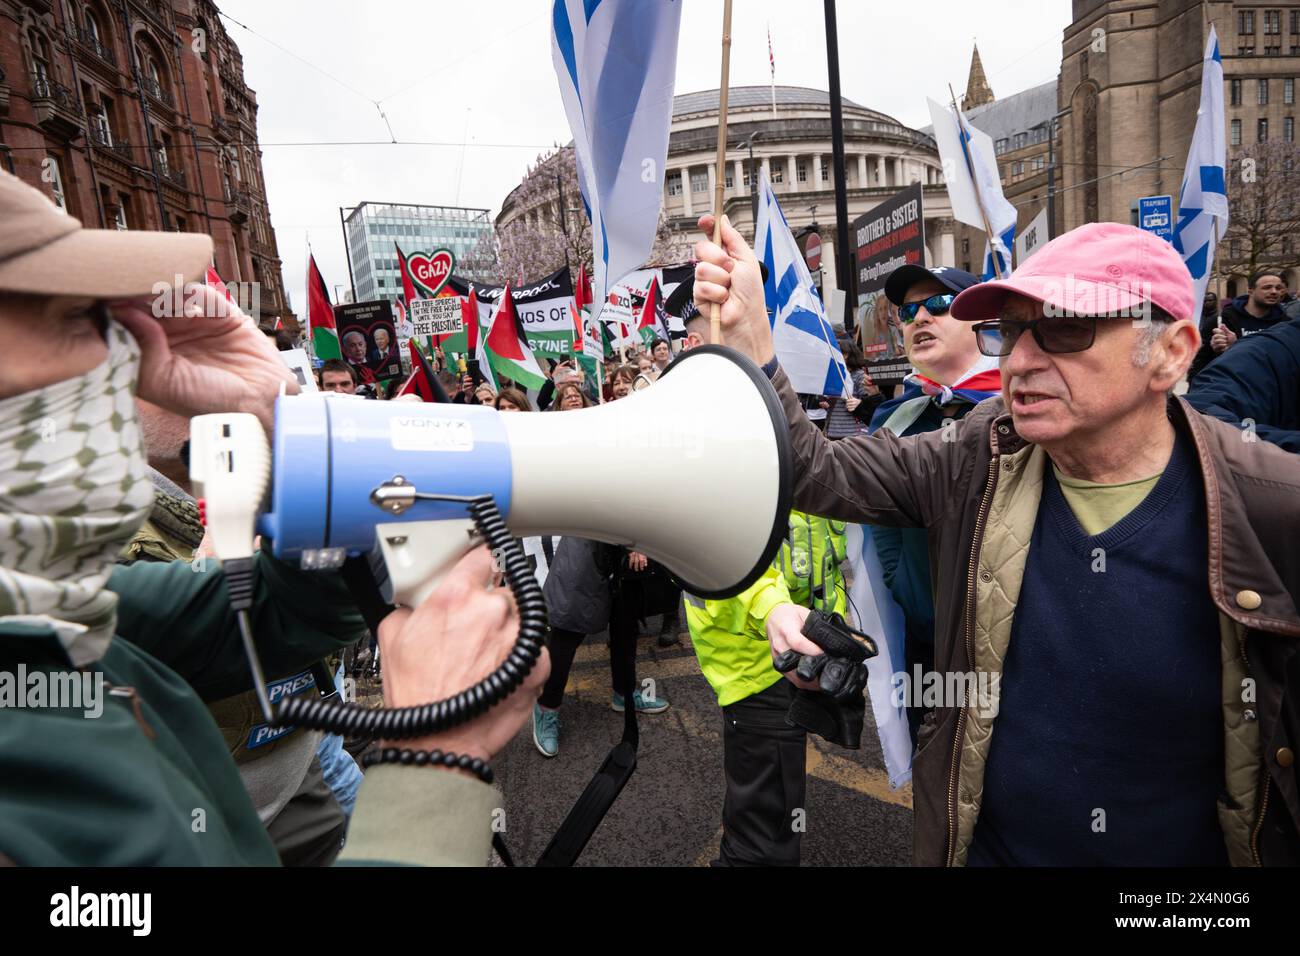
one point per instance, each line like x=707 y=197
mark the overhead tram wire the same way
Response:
x=283 y=49
x=352 y=89
x=456 y=62
x=343 y=83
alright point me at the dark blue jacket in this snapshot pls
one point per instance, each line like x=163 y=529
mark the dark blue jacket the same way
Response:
x=1257 y=379
x=905 y=552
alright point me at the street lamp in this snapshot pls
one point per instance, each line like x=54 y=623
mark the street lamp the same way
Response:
x=812 y=228
x=1051 y=173
x=753 y=177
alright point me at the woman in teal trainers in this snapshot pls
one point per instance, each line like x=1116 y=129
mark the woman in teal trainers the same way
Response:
x=582 y=599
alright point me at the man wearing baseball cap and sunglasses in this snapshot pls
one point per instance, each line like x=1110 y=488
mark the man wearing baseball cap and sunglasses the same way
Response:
x=1115 y=574
x=951 y=378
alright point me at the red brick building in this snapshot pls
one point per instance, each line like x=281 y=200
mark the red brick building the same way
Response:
x=133 y=114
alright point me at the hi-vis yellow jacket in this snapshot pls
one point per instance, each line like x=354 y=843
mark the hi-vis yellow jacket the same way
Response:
x=729 y=636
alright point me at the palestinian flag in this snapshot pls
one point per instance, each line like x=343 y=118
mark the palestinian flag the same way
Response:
x=654 y=320
x=214 y=280
x=607 y=344
x=582 y=289
x=423 y=382
x=408 y=287
x=464 y=342
x=588 y=349
x=506 y=347
x=320 y=315
x=471 y=321
x=481 y=356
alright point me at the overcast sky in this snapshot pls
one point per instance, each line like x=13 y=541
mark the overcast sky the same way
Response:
x=479 y=73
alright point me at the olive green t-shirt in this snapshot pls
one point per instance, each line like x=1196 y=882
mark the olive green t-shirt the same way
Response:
x=1098 y=507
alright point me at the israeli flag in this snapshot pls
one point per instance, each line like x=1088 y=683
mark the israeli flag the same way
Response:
x=1203 y=202
x=877 y=614
x=970 y=171
x=805 y=343
x=1001 y=248
x=616 y=61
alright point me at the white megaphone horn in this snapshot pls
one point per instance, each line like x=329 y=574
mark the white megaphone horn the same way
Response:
x=695 y=472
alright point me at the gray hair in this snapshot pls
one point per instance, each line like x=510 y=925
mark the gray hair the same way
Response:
x=1150 y=328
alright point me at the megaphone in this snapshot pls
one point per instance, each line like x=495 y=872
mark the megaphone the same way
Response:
x=695 y=472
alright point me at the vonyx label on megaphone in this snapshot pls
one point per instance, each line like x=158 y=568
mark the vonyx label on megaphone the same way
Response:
x=417 y=433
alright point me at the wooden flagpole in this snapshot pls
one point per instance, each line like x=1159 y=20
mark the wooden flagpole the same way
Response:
x=719 y=187
x=966 y=148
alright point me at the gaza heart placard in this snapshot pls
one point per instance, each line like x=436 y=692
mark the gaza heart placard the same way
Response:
x=431 y=270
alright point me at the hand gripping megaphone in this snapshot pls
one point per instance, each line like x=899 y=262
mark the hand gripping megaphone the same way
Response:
x=695 y=472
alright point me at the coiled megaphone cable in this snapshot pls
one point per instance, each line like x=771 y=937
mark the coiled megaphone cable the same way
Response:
x=403 y=723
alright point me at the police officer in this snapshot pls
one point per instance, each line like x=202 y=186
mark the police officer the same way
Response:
x=763 y=755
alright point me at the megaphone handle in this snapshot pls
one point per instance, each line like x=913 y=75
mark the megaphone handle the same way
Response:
x=418 y=554
x=422 y=719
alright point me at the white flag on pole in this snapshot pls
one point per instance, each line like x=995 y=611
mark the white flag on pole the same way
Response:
x=616 y=61
x=969 y=159
x=1203 y=202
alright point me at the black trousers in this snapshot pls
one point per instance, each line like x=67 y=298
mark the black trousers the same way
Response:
x=763 y=759
x=563 y=646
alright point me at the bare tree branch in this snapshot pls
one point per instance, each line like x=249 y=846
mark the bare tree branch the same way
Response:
x=551 y=229
x=1264 y=211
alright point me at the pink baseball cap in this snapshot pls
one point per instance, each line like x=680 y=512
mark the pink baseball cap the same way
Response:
x=1103 y=268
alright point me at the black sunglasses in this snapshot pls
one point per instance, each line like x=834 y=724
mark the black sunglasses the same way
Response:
x=935 y=305
x=1058 y=336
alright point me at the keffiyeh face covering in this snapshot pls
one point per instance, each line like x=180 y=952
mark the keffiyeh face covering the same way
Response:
x=73 y=490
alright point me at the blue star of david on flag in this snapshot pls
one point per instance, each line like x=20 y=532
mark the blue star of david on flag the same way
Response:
x=804 y=340
x=1203 y=199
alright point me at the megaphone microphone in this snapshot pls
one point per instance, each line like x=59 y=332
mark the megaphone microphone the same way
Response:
x=695 y=472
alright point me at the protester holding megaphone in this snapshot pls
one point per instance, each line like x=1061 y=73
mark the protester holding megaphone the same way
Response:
x=150 y=779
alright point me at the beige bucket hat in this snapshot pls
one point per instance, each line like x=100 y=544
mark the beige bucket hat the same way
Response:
x=45 y=252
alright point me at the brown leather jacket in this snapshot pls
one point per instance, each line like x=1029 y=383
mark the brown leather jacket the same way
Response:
x=976 y=489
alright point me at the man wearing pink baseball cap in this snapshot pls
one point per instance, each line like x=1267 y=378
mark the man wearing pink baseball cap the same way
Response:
x=1116 y=583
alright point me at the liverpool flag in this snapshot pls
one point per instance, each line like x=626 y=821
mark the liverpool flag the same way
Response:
x=320 y=315
x=507 y=349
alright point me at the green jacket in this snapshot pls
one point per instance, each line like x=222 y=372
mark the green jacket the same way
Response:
x=149 y=780
x=730 y=637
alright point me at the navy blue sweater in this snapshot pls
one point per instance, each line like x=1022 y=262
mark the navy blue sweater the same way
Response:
x=1108 y=745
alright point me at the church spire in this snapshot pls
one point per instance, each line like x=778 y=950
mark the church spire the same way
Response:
x=977 y=85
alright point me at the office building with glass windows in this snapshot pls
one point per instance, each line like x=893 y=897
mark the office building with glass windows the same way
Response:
x=373 y=231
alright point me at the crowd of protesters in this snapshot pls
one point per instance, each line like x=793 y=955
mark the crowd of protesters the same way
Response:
x=990 y=479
